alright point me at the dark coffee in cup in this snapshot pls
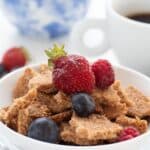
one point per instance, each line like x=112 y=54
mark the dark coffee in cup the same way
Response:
x=141 y=17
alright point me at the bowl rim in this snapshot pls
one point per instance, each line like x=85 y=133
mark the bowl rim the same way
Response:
x=34 y=141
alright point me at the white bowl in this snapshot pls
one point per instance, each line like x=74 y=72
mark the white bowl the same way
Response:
x=127 y=76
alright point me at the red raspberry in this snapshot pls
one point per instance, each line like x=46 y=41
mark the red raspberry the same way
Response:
x=73 y=74
x=13 y=58
x=104 y=74
x=128 y=133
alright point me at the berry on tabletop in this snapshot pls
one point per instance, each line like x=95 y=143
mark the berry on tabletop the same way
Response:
x=2 y=71
x=14 y=58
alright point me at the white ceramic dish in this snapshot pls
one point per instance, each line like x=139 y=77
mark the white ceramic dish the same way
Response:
x=127 y=76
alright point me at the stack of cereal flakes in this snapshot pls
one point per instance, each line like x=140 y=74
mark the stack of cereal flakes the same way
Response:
x=116 y=108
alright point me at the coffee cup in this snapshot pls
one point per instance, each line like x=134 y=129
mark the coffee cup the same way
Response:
x=128 y=38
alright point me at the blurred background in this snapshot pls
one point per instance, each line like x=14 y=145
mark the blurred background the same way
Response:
x=37 y=24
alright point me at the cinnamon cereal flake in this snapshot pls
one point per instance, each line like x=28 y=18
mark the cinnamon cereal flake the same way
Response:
x=139 y=124
x=21 y=87
x=141 y=104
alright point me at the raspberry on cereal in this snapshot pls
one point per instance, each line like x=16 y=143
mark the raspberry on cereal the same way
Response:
x=128 y=133
x=104 y=74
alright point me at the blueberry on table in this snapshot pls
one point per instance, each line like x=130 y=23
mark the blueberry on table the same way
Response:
x=44 y=129
x=83 y=104
x=2 y=71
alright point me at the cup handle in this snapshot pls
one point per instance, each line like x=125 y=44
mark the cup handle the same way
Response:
x=79 y=31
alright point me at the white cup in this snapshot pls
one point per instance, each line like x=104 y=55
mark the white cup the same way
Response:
x=129 y=39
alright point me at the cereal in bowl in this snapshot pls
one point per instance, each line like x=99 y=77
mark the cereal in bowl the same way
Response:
x=71 y=101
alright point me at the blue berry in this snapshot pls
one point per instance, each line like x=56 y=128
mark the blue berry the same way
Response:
x=83 y=104
x=44 y=129
x=2 y=71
